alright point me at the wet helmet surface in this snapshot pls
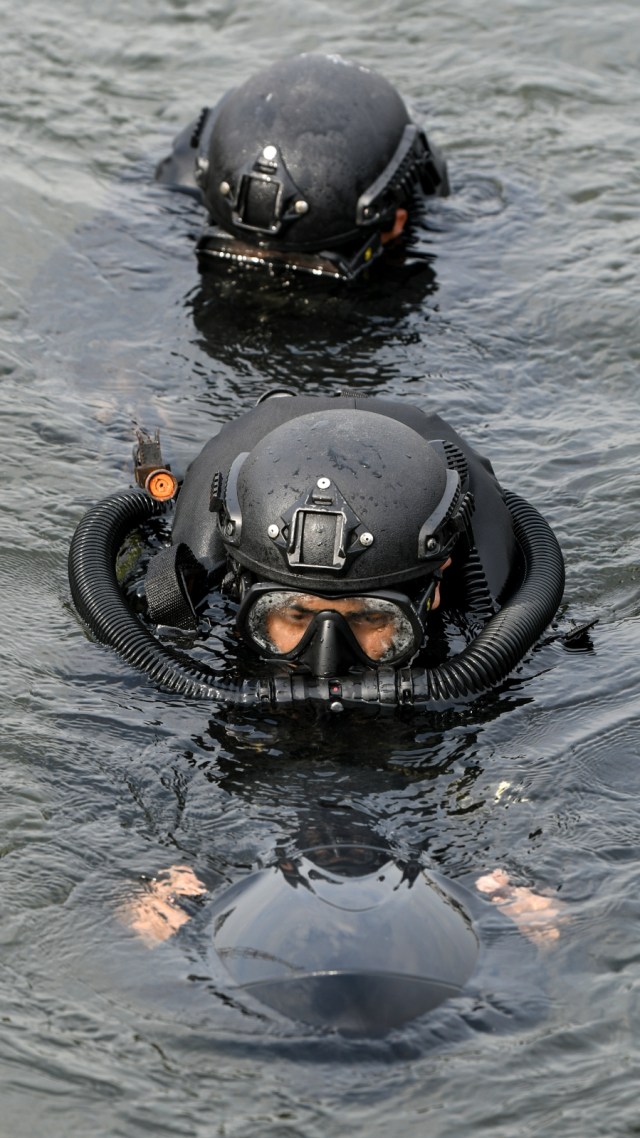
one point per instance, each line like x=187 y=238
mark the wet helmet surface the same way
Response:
x=341 y=501
x=291 y=152
x=345 y=937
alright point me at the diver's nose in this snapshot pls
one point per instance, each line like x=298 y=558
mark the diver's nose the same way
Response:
x=329 y=652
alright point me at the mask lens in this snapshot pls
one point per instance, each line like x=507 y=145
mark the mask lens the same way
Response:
x=219 y=245
x=278 y=620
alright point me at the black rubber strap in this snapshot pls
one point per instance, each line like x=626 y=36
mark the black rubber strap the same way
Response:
x=166 y=587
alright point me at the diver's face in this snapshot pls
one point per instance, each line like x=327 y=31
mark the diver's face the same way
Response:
x=373 y=628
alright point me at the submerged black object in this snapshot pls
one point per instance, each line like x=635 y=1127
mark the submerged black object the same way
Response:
x=344 y=937
x=479 y=667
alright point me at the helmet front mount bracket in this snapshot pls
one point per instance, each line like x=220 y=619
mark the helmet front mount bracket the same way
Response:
x=267 y=199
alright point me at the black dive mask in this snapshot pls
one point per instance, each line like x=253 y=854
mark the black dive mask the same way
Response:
x=370 y=630
x=333 y=264
x=329 y=647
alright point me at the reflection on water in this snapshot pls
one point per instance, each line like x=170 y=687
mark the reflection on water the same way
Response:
x=515 y=315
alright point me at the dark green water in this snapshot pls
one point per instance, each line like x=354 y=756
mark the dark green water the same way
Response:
x=522 y=328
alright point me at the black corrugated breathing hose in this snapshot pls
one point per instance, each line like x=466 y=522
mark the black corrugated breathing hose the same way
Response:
x=102 y=606
x=508 y=635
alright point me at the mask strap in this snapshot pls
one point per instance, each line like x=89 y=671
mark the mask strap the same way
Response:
x=426 y=601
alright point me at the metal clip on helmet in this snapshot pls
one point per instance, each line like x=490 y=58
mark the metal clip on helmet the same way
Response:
x=306 y=163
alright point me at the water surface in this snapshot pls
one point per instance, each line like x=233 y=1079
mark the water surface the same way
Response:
x=519 y=323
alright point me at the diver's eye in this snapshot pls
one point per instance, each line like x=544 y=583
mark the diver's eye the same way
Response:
x=295 y=616
x=370 y=619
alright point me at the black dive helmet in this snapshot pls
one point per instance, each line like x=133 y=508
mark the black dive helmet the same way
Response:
x=308 y=161
x=341 y=504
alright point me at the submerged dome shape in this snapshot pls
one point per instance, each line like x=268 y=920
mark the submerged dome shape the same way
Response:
x=344 y=937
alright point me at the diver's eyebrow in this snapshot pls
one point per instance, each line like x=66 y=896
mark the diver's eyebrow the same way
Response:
x=298 y=606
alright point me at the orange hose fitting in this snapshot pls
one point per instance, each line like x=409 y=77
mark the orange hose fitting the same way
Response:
x=161 y=485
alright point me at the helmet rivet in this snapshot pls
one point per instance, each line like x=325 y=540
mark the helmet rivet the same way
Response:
x=225 y=189
x=229 y=528
x=335 y=705
x=366 y=539
x=323 y=483
x=269 y=153
x=432 y=544
x=273 y=530
x=301 y=206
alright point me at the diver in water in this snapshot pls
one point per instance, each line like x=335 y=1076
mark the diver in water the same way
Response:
x=311 y=165
x=352 y=938
x=337 y=532
x=344 y=534
x=340 y=930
